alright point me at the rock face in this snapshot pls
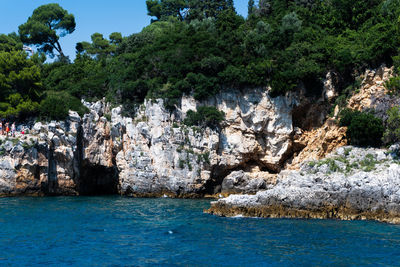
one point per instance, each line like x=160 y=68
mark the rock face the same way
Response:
x=162 y=156
x=246 y=182
x=352 y=183
x=153 y=153
x=317 y=143
x=373 y=95
x=42 y=162
x=313 y=143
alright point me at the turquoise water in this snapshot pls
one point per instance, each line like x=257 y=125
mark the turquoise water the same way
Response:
x=116 y=231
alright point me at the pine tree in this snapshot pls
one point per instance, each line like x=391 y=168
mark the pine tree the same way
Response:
x=250 y=7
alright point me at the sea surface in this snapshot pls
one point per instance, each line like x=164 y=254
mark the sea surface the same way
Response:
x=117 y=231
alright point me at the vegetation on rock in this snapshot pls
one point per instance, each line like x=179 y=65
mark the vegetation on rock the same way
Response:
x=392 y=132
x=364 y=129
x=204 y=116
x=201 y=48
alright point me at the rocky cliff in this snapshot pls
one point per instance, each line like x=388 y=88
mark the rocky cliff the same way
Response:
x=265 y=146
x=154 y=153
x=325 y=179
x=351 y=183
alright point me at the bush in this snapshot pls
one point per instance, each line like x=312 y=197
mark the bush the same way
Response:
x=392 y=132
x=57 y=104
x=18 y=107
x=346 y=115
x=202 y=85
x=393 y=85
x=364 y=129
x=205 y=116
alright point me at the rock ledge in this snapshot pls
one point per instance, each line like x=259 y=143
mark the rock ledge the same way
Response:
x=351 y=183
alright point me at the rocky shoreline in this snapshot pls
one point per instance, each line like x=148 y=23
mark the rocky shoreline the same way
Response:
x=350 y=184
x=274 y=153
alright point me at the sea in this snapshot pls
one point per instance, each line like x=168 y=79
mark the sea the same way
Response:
x=120 y=231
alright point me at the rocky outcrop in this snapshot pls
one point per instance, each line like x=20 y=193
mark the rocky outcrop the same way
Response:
x=160 y=155
x=373 y=95
x=352 y=183
x=317 y=143
x=43 y=161
x=153 y=153
x=313 y=143
x=246 y=182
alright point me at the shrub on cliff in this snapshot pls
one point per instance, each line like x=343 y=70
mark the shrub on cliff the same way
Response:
x=393 y=85
x=205 y=116
x=18 y=107
x=57 y=104
x=392 y=132
x=363 y=129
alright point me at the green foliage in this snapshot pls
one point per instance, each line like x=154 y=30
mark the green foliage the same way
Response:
x=162 y=9
x=393 y=85
x=206 y=157
x=205 y=116
x=368 y=163
x=250 y=7
x=45 y=27
x=290 y=23
x=364 y=129
x=333 y=167
x=263 y=9
x=107 y=116
x=181 y=163
x=186 y=9
x=18 y=74
x=86 y=78
x=10 y=43
x=18 y=107
x=100 y=47
x=347 y=151
x=57 y=104
x=392 y=131
x=202 y=48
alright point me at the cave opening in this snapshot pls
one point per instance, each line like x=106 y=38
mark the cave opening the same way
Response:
x=214 y=185
x=98 y=180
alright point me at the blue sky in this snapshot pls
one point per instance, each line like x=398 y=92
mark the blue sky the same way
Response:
x=103 y=16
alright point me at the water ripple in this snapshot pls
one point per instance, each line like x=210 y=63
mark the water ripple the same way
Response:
x=115 y=231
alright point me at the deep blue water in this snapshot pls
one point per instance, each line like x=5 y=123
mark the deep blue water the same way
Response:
x=116 y=231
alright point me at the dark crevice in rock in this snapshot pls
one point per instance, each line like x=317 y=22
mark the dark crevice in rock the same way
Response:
x=218 y=174
x=93 y=179
x=267 y=169
x=213 y=186
x=98 y=180
x=310 y=115
x=52 y=181
x=78 y=154
x=271 y=168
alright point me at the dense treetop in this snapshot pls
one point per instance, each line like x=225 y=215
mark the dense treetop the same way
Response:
x=45 y=27
x=200 y=48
